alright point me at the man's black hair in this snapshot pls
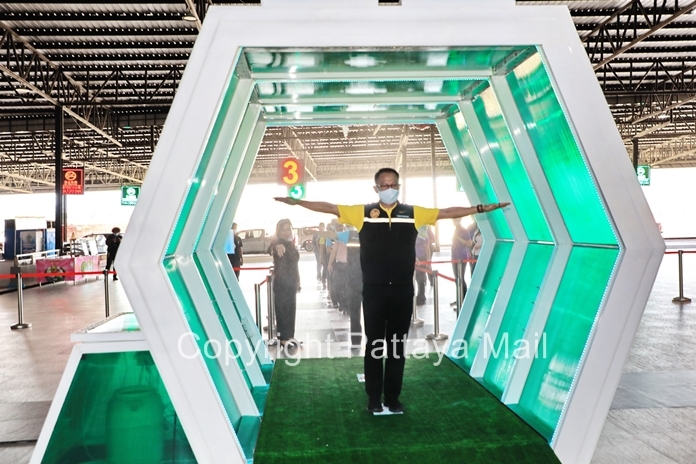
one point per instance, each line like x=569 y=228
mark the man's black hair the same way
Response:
x=389 y=170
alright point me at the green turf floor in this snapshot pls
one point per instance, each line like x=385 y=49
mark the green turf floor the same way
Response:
x=315 y=413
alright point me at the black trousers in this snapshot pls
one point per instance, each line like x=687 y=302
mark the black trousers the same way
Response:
x=354 y=290
x=110 y=258
x=285 y=301
x=340 y=285
x=387 y=312
x=421 y=280
x=235 y=263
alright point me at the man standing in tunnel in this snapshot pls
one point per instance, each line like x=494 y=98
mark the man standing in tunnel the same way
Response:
x=387 y=231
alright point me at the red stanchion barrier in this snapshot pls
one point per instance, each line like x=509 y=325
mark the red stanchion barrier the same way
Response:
x=429 y=271
x=53 y=274
x=449 y=262
x=251 y=268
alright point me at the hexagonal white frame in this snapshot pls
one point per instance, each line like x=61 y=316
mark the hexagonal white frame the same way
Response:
x=362 y=23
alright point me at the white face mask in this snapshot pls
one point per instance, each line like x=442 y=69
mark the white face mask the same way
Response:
x=388 y=196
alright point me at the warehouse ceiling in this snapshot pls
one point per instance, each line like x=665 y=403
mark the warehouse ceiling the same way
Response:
x=112 y=70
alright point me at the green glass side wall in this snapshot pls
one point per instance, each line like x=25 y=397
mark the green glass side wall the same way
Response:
x=513 y=327
x=201 y=169
x=484 y=304
x=196 y=326
x=230 y=341
x=117 y=410
x=499 y=142
x=559 y=154
x=566 y=334
x=472 y=59
x=469 y=157
x=448 y=89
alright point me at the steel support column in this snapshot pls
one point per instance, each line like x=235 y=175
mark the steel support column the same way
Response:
x=60 y=204
x=635 y=154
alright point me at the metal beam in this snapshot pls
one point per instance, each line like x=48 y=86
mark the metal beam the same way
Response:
x=298 y=149
x=68 y=91
x=682 y=11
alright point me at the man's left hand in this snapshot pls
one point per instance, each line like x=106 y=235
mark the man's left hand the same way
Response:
x=287 y=200
x=493 y=206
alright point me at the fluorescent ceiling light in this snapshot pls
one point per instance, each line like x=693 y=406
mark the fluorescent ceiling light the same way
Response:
x=364 y=88
x=190 y=18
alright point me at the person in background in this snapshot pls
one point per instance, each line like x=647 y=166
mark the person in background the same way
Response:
x=461 y=249
x=423 y=253
x=476 y=244
x=338 y=270
x=235 y=252
x=319 y=242
x=113 y=241
x=286 y=282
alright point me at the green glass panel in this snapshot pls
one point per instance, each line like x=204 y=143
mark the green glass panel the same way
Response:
x=517 y=314
x=502 y=147
x=118 y=411
x=565 y=335
x=212 y=362
x=451 y=89
x=483 y=306
x=382 y=110
x=298 y=61
x=468 y=156
x=230 y=341
x=559 y=154
x=195 y=183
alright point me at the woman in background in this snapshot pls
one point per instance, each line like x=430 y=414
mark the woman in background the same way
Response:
x=286 y=282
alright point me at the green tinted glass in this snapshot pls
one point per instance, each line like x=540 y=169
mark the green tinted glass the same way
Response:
x=201 y=338
x=230 y=341
x=566 y=333
x=499 y=142
x=201 y=169
x=306 y=91
x=559 y=154
x=513 y=327
x=117 y=410
x=295 y=63
x=468 y=158
x=484 y=304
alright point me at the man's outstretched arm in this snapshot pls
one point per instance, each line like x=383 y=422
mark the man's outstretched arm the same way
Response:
x=461 y=211
x=318 y=206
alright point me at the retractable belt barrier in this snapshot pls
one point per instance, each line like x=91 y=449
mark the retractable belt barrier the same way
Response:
x=20 y=276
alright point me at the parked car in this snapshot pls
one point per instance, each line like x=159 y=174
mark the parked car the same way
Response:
x=255 y=240
x=303 y=237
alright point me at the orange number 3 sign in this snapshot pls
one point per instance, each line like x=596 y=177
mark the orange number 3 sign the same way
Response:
x=290 y=168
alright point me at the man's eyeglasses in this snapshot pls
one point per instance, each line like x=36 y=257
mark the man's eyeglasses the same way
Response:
x=384 y=187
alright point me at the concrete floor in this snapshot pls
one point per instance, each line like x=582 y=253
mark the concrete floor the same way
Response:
x=652 y=420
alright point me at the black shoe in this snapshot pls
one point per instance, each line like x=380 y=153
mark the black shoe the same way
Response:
x=115 y=278
x=374 y=405
x=394 y=405
x=420 y=302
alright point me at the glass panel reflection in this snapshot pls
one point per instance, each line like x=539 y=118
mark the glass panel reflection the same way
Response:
x=499 y=142
x=566 y=333
x=513 y=327
x=559 y=154
x=299 y=61
x=117 y=410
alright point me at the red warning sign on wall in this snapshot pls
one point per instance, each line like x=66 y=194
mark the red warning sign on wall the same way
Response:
x=73 y=181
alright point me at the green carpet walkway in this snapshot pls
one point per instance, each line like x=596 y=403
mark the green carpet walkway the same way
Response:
x=315 y=413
